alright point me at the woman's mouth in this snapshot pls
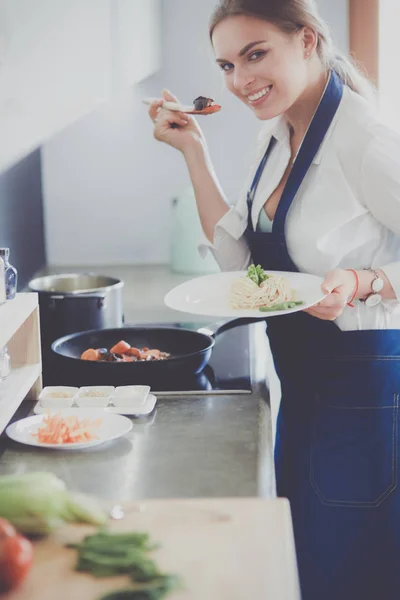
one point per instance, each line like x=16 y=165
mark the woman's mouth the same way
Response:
x=259 y=97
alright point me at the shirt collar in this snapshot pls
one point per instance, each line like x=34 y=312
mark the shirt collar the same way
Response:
x=279 y=129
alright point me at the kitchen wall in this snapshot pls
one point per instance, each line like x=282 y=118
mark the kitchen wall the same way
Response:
x=108 y=185
x=21 y=216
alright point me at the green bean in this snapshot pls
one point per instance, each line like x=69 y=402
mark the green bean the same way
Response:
x=281 y=306
x=106 y=554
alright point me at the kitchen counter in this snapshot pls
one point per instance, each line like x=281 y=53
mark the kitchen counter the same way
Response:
x=190 y=447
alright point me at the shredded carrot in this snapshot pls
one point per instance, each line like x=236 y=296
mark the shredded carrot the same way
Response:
x=70 y=430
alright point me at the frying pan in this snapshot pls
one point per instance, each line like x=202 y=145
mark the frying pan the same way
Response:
x=190 y=352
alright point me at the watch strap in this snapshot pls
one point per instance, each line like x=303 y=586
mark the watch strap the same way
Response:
x=374 y=298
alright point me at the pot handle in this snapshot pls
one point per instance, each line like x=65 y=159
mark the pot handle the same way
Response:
x=100 y=299
x=216 y=329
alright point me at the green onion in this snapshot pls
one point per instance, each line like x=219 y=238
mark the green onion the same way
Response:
x=107 y=554
x=256 y=274
x=281 y=306
x=38 y=503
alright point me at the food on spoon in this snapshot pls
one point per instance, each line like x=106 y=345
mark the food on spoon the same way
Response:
x=207 y=106
x=204 y=106
x=259 y=290
x=69 y=430
x=16 y=553
x=202 y=102
x=36 y=503
x=123 y=352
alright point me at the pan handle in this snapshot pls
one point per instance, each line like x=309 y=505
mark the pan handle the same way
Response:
x=216 y=329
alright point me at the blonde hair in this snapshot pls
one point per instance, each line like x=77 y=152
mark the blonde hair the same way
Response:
x=290 y=16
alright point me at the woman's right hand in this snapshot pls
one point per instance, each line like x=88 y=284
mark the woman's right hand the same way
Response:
x=177 y=129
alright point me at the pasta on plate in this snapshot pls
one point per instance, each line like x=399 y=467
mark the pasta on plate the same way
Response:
x=258 y=290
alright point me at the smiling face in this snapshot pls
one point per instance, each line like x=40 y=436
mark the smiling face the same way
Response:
x=264 y=67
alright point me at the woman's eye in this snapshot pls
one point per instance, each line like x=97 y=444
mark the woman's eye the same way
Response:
x=258 y=54
x=226 y=67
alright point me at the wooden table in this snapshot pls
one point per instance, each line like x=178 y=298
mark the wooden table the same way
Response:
x=233 y=549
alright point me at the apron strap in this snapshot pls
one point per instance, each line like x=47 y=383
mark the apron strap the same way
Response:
x=252 y=192
x=314 y=137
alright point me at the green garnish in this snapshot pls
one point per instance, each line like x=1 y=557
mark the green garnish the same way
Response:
x=107 y=554
x=257 y=274
x=153 y=591
x=281 y=306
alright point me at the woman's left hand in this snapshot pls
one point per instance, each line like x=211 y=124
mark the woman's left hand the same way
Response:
x=340 y=285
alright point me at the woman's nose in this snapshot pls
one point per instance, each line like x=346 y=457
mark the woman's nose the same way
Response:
x=242 y=79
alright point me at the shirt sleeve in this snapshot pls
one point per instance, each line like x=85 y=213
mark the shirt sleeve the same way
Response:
x=230 y=248
x=380 y=177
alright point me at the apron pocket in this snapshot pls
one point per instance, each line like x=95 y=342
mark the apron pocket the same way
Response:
x=353 y=456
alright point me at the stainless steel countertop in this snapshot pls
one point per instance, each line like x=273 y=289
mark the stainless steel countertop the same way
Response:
x=190 y=447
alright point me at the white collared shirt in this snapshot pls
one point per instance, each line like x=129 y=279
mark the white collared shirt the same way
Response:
x=346 y=213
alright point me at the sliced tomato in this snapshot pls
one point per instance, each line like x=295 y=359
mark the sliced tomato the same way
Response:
x=16 y=554
x=133 y=352
x=120 y=348
x=90 y=354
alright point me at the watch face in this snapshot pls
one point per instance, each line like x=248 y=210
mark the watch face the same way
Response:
x=373 y=300
x=377 y=285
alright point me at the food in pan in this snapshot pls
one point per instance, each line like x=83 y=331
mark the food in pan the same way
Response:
x=123 y=352
x=262 y=291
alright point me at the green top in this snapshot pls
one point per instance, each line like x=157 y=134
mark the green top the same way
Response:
x=264 y=222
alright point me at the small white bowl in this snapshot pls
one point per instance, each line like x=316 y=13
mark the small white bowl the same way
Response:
x=130 y=395
x=60 y=396
x=94 y=395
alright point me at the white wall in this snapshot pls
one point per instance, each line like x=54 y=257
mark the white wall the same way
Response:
x=108 y=185
x=389 y=84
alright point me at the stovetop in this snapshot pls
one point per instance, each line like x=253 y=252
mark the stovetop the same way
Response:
x=228 y=370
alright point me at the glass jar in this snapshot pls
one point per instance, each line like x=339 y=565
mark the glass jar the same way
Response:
x=3 y=296
x=11 y=274
x=5 y=363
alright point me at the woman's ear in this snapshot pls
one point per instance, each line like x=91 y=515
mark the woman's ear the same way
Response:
x=310 y=41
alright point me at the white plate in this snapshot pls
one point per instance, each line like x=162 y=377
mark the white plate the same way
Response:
x=111 y=428
x=137 y=410
x=209 y=295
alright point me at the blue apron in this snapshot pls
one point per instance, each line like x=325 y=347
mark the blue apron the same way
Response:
x=337 y=444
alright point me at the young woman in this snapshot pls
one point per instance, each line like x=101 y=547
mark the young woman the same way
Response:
x=324 y=198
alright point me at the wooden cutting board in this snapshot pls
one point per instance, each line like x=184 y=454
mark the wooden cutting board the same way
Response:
x=223 y=549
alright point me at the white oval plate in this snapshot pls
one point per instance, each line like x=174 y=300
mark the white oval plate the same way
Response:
x=111 y=428
x=209 y=295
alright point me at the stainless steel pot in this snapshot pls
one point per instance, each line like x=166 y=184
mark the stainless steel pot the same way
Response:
x=74 y=302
